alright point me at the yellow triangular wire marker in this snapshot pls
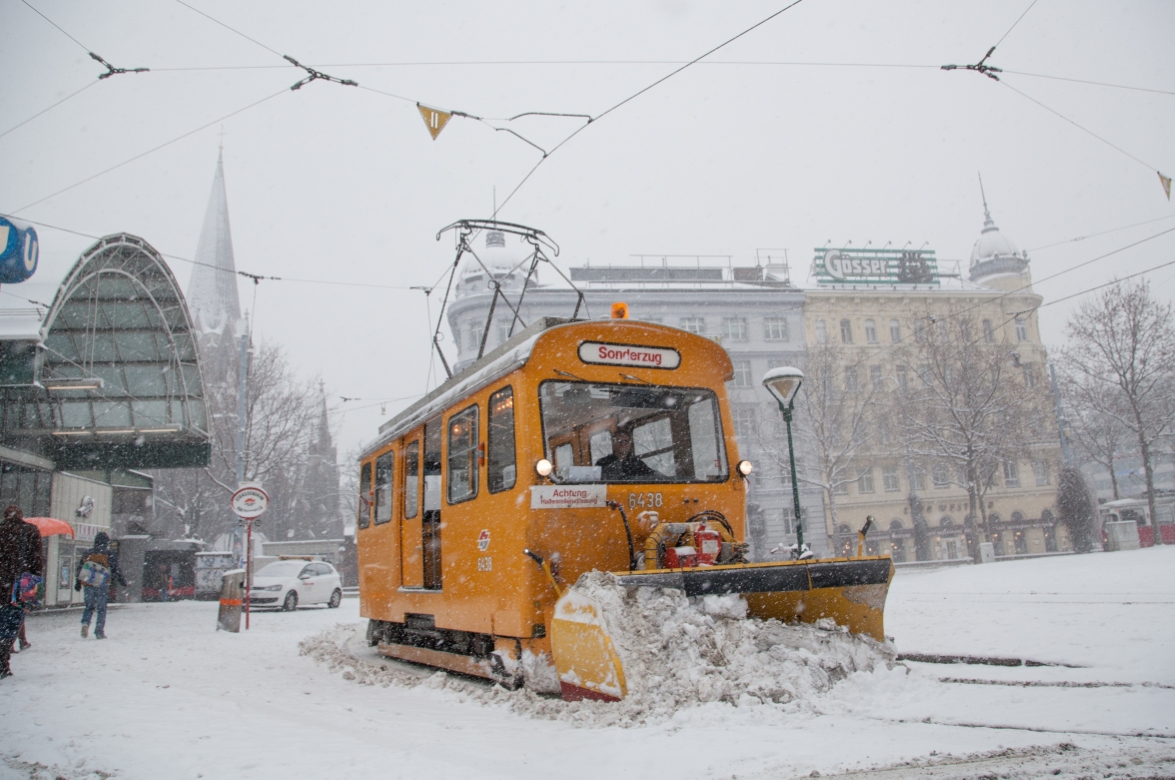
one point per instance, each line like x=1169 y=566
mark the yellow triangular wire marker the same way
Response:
x=1166 y=181
x=434 y=119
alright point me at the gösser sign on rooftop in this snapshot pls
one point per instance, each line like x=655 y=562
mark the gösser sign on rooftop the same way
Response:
x=876 y=266
x=629 y=355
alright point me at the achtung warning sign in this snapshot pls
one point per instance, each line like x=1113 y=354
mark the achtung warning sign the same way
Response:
x=435 y=119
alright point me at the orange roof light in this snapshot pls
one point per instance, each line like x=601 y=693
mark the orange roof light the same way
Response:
x=620 y=310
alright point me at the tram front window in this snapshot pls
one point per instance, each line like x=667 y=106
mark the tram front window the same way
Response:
x=631 y=433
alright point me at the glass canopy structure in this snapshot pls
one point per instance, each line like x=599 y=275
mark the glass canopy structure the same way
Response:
x=119 y=374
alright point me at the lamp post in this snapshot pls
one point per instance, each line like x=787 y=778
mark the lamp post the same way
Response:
x=783 y=383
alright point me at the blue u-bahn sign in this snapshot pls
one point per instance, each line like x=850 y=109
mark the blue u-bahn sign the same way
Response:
x=19 y=249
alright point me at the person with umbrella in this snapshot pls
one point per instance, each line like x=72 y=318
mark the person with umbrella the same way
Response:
x=20 y=553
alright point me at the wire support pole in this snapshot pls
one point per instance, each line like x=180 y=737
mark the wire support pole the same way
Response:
x=795 y=485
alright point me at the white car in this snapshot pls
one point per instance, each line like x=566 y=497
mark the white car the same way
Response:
x=286 y=584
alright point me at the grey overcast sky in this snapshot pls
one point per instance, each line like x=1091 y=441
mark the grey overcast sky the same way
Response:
x=832 y=122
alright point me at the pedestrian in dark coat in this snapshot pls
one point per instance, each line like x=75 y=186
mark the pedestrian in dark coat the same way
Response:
x=96 y=596
x=20 y=553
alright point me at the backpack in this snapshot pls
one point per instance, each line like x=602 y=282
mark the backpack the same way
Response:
x=94 y=572
x=29 y=592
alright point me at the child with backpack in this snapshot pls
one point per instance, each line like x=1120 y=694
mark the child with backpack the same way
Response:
x=97 y=566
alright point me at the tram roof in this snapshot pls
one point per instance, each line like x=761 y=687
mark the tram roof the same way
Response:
x=505 y=358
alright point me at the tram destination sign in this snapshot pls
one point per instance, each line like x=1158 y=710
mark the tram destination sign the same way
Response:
x=629 y=355
x=875 y=266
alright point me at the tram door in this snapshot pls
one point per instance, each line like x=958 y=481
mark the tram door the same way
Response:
x=431 y=525
x=411 y=559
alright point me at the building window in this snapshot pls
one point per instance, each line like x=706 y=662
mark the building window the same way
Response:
x=920 y=331
x=895 y=331
x=503 y=332
x=889 y=479
x=789 y=520
x=775 y=329
x=474 y=337
x=1030 y=375
x=870 y=332
x=744 y=422
x=865 y=481
x=786 y=471
x=846 y=331
x=919 y=478
x=851 y=383
x=924 y=374
x=1011 y=474
x=1040 y=470
x=1021 y=329
x=903 y=378
x=840 y=488
x=821 y=332
x=988 y=332
x=742 y=373
x=734 y=328
x=693 y=324
x=941 y=477
x=965 y=330
x=875 y=378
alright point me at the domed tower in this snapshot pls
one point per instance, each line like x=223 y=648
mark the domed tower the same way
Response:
x=995 y=260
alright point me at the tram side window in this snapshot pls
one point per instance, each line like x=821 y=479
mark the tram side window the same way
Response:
x=383 y=488
x=463 y=456
x=412 y=479
x=503 y=470
x=364 y=495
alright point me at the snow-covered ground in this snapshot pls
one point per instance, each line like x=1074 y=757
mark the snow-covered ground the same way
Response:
x=167 y=696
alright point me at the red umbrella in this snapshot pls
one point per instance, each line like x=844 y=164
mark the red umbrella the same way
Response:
x=50 y=526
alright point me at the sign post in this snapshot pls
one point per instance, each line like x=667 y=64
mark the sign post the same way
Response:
x=249 y=502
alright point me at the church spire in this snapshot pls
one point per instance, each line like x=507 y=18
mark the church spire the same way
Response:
x=212 y=292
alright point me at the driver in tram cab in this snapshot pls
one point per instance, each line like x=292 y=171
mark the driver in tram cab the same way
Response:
x=623 y=464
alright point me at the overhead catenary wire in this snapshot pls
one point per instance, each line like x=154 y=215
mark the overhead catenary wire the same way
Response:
x=246 y=274
x=1080 y=127
x=60 y=29
x=141 y=155
x=50 y=108
x=637 y=94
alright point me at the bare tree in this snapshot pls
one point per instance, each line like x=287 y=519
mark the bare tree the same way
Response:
x=965 y=411
x=834 y=423
x=1095 y=413
x=1125 y=340
x=284 y=444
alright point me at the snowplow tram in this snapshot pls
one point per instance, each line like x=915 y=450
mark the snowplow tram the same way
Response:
x=575 y=446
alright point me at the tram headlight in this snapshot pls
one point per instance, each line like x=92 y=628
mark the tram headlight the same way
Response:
x=543 y=467
x=745 y=468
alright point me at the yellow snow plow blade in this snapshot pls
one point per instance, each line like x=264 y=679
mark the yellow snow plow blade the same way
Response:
x=585 y=659
x=851 y=591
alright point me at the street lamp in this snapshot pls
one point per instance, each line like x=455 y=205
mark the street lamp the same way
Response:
x=784 y=383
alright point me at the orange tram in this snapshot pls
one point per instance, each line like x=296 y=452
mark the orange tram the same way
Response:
x=574 y=446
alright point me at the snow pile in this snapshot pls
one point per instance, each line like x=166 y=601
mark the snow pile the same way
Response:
x=678 y=652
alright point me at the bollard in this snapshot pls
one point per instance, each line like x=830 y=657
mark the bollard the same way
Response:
x=231 y=594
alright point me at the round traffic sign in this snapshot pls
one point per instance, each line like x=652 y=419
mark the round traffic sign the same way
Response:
x=250 y=501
